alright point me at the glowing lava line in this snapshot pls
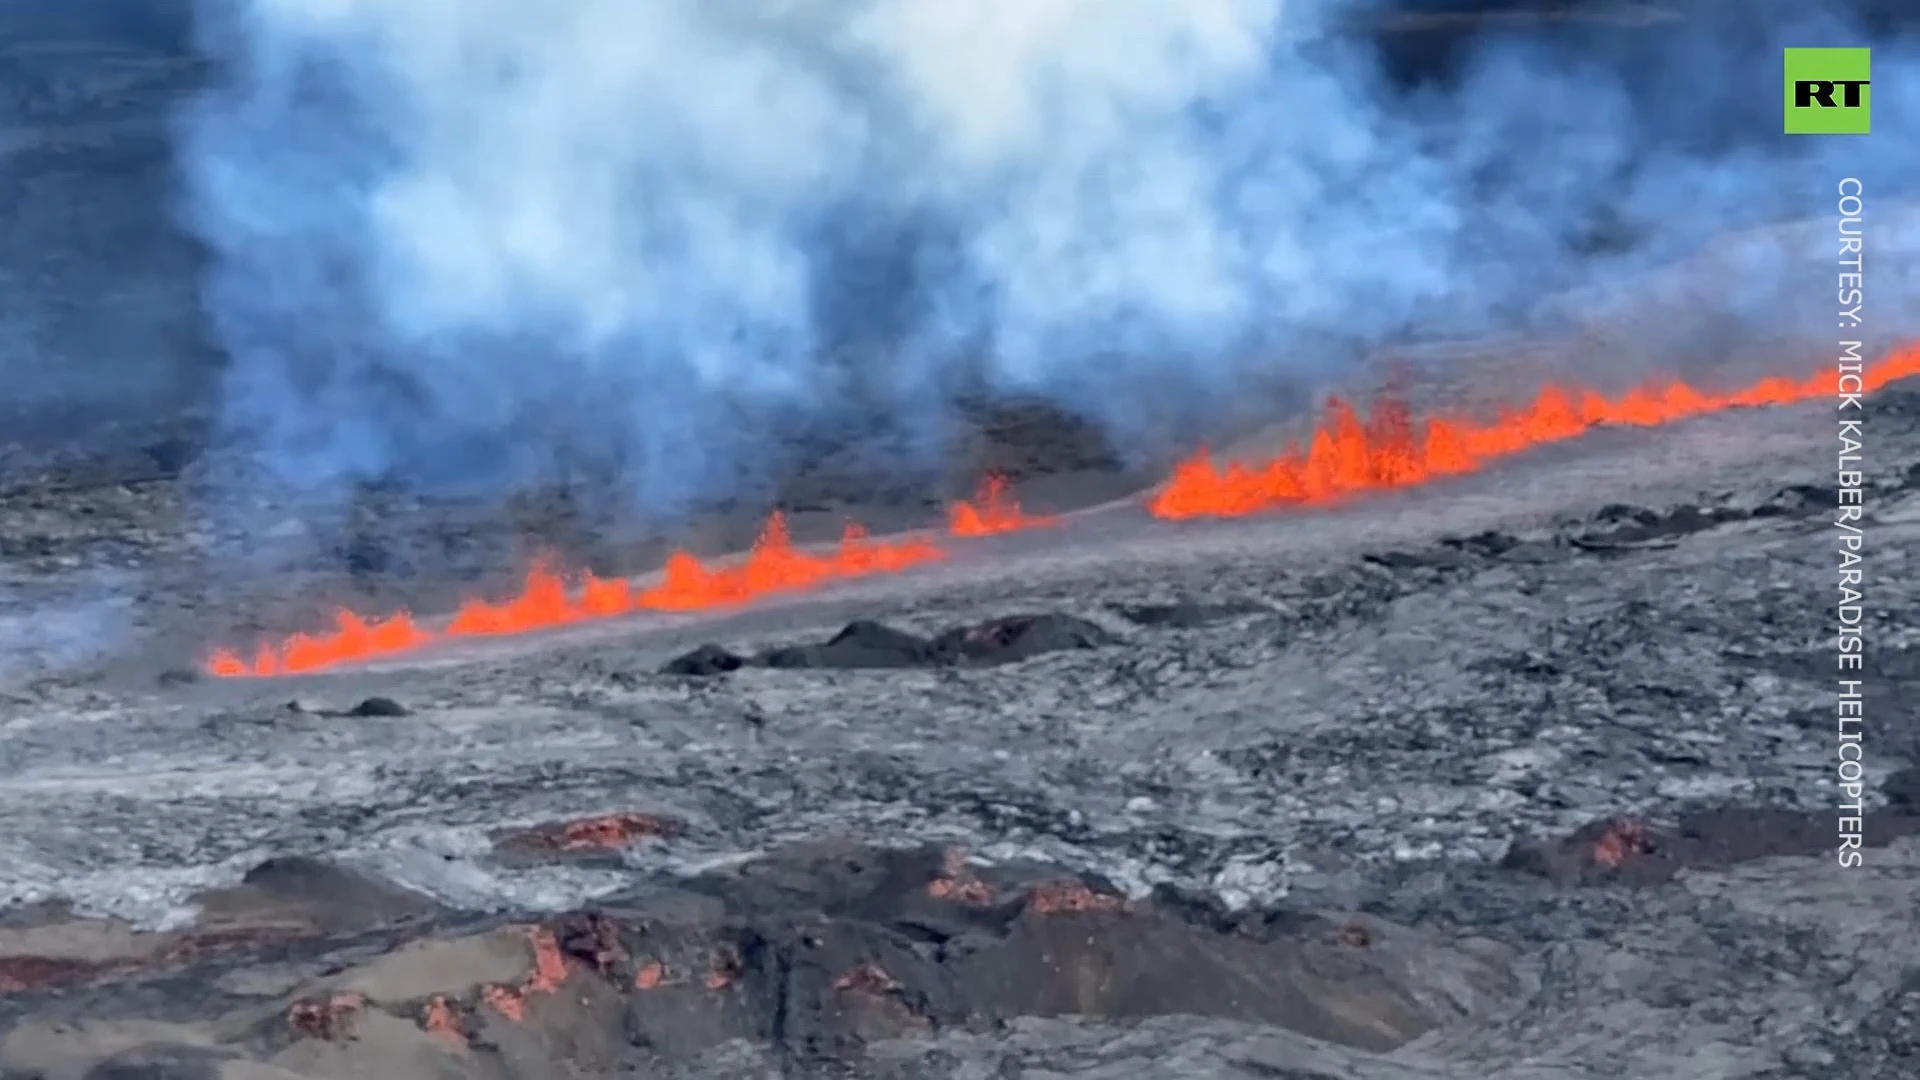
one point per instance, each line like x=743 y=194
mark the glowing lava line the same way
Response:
x=545 y=600
x=993 y=511
x=1390 y=449
x=1346 y=456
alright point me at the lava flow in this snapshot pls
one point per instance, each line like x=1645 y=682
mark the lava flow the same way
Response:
x=547 y=599
x=1390 y=449
x=1347 y=455
x=993 y=511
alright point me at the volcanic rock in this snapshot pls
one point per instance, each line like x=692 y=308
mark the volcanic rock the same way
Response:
x=1229 y=853
x=817 y=954
x=378 y=706
x=1899 y=402
x=845 y=958
x=1798 y=500
x=1618 y=526
x=872 y=645
x=1433 y=559
x=1018 y=637
x=1182 y=615
x=1902 y=789
x=311 y=895
x=1294 y=828
x=861 y=644
x=705 y=661
x=331 y=1017
x=1628 y=852
x=589 y=840
x=1488 y=544
x=178 y=1062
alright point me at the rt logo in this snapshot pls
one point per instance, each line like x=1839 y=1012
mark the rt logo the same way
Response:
x=1827 y=92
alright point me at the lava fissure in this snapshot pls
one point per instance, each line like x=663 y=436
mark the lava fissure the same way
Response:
x=993 y=511
x=1346 y=455
x=548 y=600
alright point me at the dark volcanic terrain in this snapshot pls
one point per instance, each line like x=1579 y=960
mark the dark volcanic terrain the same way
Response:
x=1529 y=774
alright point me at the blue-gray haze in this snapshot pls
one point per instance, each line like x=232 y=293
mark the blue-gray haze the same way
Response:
x=458 y=241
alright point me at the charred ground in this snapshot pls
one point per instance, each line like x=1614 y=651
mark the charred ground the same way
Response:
x=1532 y=766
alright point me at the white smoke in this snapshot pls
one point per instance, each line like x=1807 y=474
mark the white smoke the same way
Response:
x=55 y=630
x=453 y=231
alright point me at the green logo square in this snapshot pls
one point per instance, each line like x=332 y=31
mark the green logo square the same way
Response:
x=1827 y=92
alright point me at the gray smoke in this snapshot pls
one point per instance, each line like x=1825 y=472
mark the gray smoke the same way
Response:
x=459 y=237
x=51 y=630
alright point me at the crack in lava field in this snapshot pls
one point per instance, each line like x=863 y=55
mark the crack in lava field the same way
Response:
x=1346 y=455
x=547 y=600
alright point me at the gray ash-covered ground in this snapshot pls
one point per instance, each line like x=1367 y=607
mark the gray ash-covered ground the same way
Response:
x=1524 y=776
x=1527 y=774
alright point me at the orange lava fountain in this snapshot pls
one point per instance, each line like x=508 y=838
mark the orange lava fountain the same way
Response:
x=1346 y=456
x=548 y=599
x=993 y=511
x=1390 y=449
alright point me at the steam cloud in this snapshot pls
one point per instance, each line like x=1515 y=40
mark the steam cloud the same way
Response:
x=81 y=624
x=457 y=235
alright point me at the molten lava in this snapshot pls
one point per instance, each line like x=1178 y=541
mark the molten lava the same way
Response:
x=1347 y=455
x=1389 y=449
x=546 y=600
x=993 y=511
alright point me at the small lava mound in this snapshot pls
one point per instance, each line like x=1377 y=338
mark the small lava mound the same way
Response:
x=851 y=944
x=704 y=662
x=1798 y=501
x=599 y=839
x=1464 y=552
x=1019 y=637
x=1623 y=851
x=1619 y=526
x=867 y=645
x=379 y=706
x=809 y=955
x=319 y=893
x=279 y=903
x=366 y=708
x=862 y=644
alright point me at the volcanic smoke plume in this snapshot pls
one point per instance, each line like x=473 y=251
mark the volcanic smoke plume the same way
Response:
x=1346 y=457
x=457 y=240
